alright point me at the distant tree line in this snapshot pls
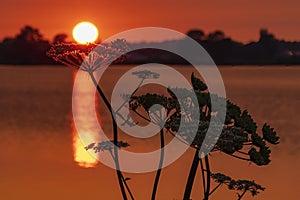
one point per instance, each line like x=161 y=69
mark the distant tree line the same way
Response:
x=225 y=51
x=29 y=48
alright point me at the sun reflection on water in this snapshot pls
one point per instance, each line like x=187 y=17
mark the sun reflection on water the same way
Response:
x=83 y=94
x=81 y=156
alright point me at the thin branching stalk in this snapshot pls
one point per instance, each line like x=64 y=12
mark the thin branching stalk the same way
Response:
x=248 y=143
x=235 y=156
x=162 y=152
x=191 y=177
x=215 y=188
x=161 y=160
x=127 y=187
x=115 y=136
x=124 y=180
x=179 y=139
x=244 y=153
x=241 y=195
x=140 y=115
x=193 y=170
x=208 y=173
x=202 y=175
x=139 y=85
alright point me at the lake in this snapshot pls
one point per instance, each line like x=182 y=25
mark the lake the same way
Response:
x=41 y=158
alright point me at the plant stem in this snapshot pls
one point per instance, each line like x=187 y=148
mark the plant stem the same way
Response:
x=212 y=191
x=241 y=196
x=179 y=139
x=202 y=174
x=116 y=153
x=244 y=153
x=124 y=181
x=127 y=187
x=143 y=117
x=139 y=85
x=191 y=177
x=115 y=135
x=158 y=172
x=235 y=156
x=207 y=191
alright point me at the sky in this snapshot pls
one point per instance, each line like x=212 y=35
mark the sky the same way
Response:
x=239 y=19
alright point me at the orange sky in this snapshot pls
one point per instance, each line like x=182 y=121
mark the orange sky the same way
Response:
x=240 y=19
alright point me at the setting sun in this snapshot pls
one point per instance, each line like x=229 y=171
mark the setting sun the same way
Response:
x=85 y=32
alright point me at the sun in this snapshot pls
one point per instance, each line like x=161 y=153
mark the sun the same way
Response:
x=85 y=32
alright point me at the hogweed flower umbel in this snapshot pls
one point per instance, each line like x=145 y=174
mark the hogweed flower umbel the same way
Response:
x=106 y=145
x=89 y=57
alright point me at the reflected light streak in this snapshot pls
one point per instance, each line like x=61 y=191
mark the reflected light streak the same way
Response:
x=84 y=94
x=82 y=157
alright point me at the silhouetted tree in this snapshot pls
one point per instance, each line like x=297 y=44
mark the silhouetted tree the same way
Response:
x=265 y=49
x=196 y=34
x=60 y=38
x=216 y=36
x=265 y=36
x=28 y=47
x=29 y=34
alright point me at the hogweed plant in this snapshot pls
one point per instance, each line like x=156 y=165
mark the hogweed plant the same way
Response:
x=239 y=136
x=89 y=58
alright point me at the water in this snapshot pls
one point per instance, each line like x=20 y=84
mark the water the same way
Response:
x=37 y=134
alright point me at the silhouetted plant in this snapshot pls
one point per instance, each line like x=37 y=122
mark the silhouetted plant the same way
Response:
x=239 y=185
x=109 y=146
x=81 y=56
x=239 y=137
x=90 y=58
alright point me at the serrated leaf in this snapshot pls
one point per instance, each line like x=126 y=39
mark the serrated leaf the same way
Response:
x=269 y=134
x=259 y=158
x=198 y=84
x=246 y=122
x=257 y=140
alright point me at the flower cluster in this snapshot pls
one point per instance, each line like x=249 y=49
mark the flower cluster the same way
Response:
x=105 y=146
x=89 y=57
x=239 y=185
x=239 y=137
x=146 y=74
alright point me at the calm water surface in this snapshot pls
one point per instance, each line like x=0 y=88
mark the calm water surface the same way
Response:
x=39 y=149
